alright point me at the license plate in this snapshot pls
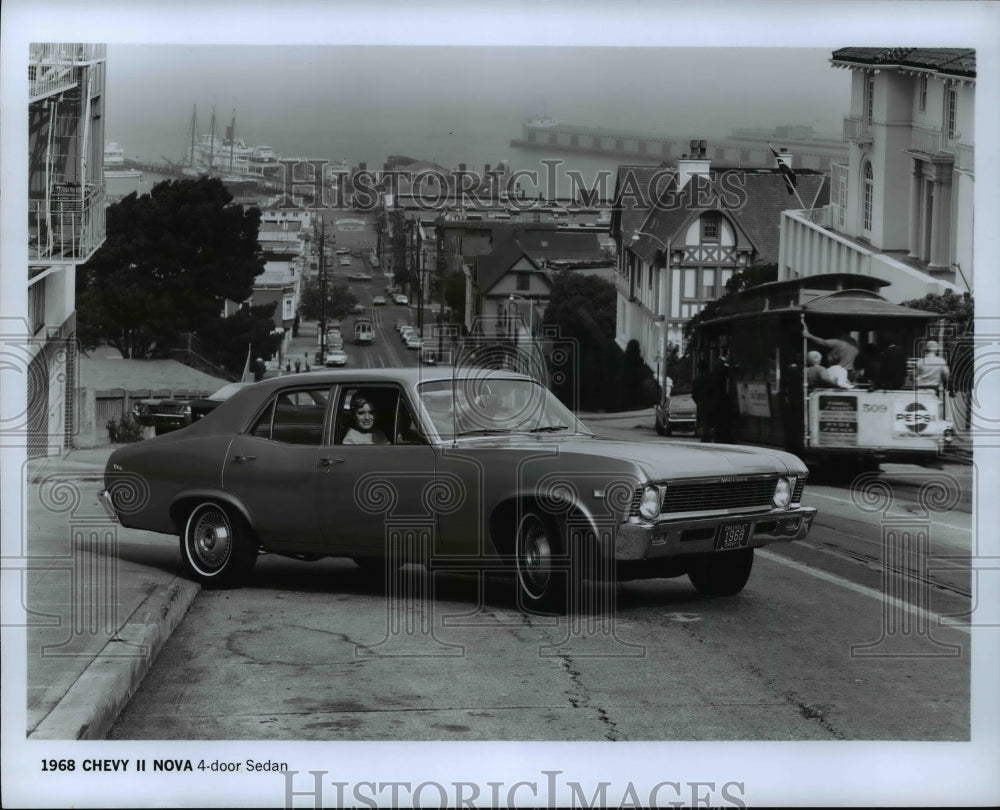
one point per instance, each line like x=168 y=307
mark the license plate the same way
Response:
x=732 y=535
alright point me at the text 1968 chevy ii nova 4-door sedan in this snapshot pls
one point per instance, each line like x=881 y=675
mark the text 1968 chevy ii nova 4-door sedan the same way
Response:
x=459 y=469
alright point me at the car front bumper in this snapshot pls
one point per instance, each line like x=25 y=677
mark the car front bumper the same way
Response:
x=696 y=535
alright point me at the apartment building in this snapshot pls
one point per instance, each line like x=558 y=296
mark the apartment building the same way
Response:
x=901 y=207
x=66 y=225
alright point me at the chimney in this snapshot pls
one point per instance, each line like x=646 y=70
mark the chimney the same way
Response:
x=693 y=163
x=784 y=156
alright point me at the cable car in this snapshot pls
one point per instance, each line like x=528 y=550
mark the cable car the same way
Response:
x=757 y=347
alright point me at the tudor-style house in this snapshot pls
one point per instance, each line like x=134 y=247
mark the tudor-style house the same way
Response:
x=901 y=207
x=683 y=230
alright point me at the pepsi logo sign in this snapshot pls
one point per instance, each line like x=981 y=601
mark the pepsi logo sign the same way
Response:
x=915 y=417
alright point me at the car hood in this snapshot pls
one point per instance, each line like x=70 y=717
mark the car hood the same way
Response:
x=673 y=460
x=661 y=460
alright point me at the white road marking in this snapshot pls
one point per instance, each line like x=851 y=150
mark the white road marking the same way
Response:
x=849 y=502
x=864 y=590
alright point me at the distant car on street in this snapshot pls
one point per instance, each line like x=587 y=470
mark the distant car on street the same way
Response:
x=358 y=309
x=343 y=251
x=401 y=299
x=165 y=415
x=378 y=301
x=511 y=480
x=336 y=357
x=345 y=261
x=676 y=412
x=414 y=341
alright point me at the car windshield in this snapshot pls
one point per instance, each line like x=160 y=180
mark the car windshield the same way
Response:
x=482 y=406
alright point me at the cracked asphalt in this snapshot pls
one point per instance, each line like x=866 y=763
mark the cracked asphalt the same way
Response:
x=310 y=651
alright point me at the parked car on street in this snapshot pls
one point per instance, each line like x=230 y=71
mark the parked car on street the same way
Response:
x=165 y=415
x=336 y=357
x=506 y=479
x=676 y=412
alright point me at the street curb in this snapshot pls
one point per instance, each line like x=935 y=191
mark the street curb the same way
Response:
x=92 y=704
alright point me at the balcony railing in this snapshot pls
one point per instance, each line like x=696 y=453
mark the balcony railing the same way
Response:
x=66 y=53
x=857 y=129
x=965 y=157
x=69 y=226
x=928 y=140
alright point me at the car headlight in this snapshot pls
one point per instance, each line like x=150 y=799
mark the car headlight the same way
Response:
x=782 y=493
x=651 y=502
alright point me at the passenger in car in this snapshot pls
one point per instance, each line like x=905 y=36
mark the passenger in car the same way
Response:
x=363 y=430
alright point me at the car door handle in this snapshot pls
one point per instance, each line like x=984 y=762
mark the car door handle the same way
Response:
x=244 y=459
x=329 y=462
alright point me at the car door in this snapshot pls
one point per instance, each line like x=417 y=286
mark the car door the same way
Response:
x=274 y=467
x=377 y=499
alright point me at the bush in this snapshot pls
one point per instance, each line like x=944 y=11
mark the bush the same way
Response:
x=125 y=430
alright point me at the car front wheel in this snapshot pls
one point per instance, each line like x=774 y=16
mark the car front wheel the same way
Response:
x=721 y=573
x=216 y=546
x=541 y=583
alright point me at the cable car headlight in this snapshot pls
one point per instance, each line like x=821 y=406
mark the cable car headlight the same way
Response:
x=782 y=493
x=651 y=502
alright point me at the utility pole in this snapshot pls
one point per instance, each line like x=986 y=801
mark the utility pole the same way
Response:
x=322 y=291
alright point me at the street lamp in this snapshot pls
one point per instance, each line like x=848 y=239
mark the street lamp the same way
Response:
x=531 y=320
x=662 y=353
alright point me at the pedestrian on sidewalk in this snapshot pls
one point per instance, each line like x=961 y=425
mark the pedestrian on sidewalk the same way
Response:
x=259 y=369
x=298 y=366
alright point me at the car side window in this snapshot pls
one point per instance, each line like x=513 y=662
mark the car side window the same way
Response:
x=407 y=428
x=294 y=417
x=367 y=415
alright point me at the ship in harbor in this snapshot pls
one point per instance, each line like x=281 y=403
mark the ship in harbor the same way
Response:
x=120 y=177
x=741 y=149
x=228 y=157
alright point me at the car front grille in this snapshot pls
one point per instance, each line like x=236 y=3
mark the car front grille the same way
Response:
x=717 y=495
x=171 y=408
x=698 y=495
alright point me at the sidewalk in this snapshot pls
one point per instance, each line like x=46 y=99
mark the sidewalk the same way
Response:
x=99 y=609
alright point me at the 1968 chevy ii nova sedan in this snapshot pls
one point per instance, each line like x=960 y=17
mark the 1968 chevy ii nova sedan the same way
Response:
x=459 y=469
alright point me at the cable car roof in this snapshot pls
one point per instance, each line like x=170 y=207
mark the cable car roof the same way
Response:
x=848 y=295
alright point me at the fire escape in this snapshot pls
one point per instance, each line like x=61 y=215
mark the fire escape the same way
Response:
x=66 y=205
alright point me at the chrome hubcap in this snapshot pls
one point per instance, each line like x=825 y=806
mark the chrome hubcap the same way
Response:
x=212 y=539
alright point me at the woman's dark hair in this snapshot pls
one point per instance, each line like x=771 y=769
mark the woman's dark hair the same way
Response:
x=359 y=400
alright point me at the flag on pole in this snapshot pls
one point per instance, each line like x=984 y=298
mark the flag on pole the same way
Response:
x=786 y=171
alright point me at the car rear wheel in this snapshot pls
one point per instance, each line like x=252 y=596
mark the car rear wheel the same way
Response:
x=721 y=573
x=216 y=546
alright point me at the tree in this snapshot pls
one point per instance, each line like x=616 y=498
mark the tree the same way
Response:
x=581 y=308
x=171 y=259
x=248 y=330
x=339 y=300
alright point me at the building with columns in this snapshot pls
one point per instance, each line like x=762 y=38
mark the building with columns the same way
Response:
x=901 y=207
